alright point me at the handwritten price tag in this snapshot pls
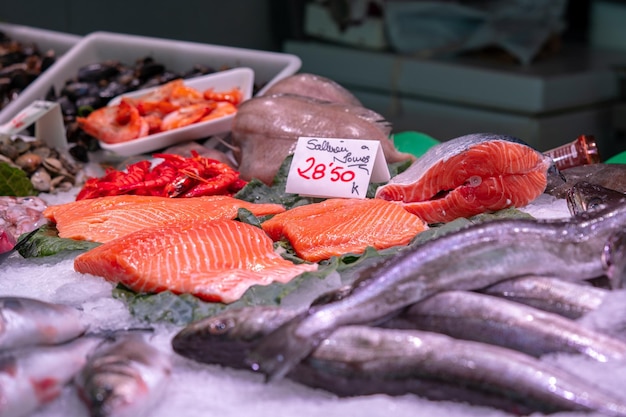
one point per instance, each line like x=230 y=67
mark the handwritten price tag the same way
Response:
x=334 y=167
x=48 y=119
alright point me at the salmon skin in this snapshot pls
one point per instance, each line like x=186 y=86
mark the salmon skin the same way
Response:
x=213 y=260
x=470 y=175
x=338 y=225
x=106 y=218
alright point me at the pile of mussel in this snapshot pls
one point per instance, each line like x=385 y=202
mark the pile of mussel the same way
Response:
x=20 y=64
x=95 y=84
x=49 y=169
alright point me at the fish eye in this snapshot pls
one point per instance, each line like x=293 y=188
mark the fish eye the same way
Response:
x=221 y=326
x=594 y=203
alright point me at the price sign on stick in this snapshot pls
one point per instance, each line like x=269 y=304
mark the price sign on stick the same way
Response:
x=49 y=127
x=335 y=167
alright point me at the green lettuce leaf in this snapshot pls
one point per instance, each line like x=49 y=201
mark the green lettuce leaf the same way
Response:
x=14 y=182
x=46 y=242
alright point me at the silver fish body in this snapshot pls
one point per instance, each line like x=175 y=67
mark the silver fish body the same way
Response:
x=29 y=322
x=483 y=318
x=469 y=259
x=362 y=360
x=566 y=298
x=124 y=378
x=32 y=377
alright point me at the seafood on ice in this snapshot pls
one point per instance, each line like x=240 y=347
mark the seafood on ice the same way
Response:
x=470 y=175
x=338 y=226
x=366 y=360
x=30 y=378
x=107 y=218
x=170 y=106
x=125 y=377
x=471 y=258
x=19 y=215
x=29 y=322
x=216 y=260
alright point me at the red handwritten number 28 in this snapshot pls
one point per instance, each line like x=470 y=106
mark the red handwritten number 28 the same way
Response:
x=318 y=171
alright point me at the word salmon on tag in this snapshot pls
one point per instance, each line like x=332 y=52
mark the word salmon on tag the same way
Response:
x=334 y=167
x=48 y=119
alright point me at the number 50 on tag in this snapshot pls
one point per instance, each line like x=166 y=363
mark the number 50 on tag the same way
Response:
x=335 y=167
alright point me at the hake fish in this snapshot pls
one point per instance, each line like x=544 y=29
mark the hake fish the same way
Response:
x=484 y=318
x=32 y=377
x=569 y=299
x=28 y=322
x=124 y=378
x=363 y=360
x=469 y=259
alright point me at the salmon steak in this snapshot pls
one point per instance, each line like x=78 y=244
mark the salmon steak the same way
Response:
x=106 y=218
x=216 y=260
x=470 y=175
x=338 y=226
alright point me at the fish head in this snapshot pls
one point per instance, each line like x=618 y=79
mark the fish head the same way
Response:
x=229 y=336
x=588 y=197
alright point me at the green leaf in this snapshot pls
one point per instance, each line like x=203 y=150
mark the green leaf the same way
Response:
x=46 y=242
x=14 y=182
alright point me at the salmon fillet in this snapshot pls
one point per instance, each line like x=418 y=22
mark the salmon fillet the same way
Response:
x=469 y=175
x=338 y=226
x=213 y=260
x=106 y=218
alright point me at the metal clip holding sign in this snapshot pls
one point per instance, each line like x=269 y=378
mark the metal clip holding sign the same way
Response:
x=48 y=119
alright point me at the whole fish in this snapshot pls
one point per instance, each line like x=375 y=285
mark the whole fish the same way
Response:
x=566 y=298
x=124 y=378
x=266 y=128
x=483 y=318
x=584 y=196
x=312 y=85
x=612 y=176
x=471 y=258
x=469 y=175
x=32 y=377
x=362 y=360
x=29 y=322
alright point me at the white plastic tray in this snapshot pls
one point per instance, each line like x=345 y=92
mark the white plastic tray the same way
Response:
x=241 y=78
x=268 y=67
x=45 y=40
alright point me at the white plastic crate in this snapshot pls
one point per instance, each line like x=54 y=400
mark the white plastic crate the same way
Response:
x=45 y=40
x=268 y=67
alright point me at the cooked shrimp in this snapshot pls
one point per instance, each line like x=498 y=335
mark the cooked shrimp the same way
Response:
x=187 y=115
x=224 y=108
x=234 y=96
x=115 y=124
